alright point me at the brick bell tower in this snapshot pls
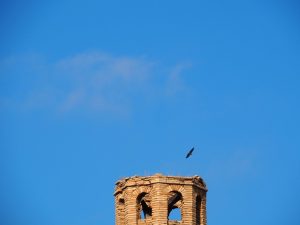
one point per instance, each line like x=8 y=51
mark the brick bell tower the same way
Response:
x=152 y=199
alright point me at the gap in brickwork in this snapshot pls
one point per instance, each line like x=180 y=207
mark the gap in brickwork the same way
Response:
x=144 y=206
x=198 y=210
x=175 y=214
x=174 y=206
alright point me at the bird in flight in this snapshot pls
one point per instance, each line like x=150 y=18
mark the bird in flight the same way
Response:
x=189 y=153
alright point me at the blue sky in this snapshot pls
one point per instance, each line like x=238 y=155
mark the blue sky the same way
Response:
x=93 y=91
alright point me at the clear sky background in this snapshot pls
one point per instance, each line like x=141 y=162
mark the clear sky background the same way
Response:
x=93 y=91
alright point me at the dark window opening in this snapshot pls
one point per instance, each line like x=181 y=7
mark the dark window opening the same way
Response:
x=144 y=206
x=198 y=210
x=174 y=206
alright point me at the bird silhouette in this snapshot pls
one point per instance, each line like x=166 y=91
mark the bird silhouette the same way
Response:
x=189 y=153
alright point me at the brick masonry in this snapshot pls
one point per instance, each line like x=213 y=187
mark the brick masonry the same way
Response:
x=149 y=200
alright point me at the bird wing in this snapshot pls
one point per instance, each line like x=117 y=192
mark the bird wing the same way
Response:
x=190 y=153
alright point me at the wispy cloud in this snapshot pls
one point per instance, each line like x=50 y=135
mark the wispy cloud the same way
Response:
x=93 y=81
x=175 y=80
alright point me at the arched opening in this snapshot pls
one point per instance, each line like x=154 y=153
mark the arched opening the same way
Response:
x=174 y=206
x=144 y=209
x=175 y=214
x=198 y=210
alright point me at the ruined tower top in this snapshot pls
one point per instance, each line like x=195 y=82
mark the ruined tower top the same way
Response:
x=152 y=200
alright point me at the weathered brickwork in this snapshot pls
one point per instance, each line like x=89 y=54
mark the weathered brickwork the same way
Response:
x=150 y=200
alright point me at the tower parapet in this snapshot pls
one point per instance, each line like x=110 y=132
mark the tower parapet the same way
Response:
x=150 y=200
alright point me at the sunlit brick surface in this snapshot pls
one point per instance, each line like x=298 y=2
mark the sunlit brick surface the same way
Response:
x=150 y=200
